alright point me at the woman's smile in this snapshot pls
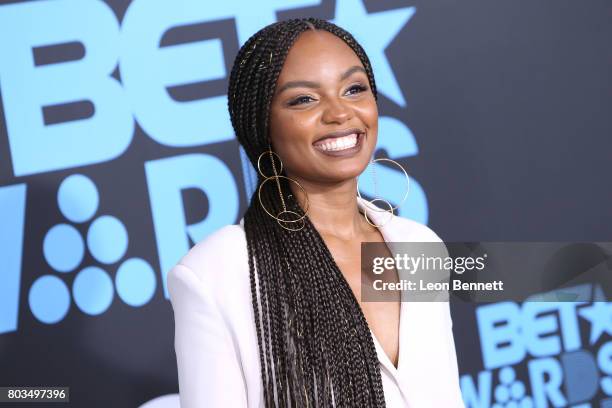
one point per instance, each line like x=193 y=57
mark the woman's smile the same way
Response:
x=341 y=146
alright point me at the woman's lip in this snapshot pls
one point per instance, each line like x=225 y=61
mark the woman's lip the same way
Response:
x=321 y=142
x=326 y=138
x=345 y=152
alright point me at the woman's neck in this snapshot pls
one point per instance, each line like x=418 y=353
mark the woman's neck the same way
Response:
x=333 y=210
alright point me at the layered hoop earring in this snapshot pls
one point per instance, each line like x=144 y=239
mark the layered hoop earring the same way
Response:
x=373 y=206
x=283 y=218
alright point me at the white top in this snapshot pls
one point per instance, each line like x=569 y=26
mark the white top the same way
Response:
x=216 y=342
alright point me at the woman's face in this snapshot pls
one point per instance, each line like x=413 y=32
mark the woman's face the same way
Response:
x=323 y=88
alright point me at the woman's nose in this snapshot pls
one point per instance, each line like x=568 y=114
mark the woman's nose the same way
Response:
x=336 y=111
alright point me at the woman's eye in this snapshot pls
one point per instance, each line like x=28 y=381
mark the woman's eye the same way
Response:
x=355 y=89
x=299 y=100
x=360 y=88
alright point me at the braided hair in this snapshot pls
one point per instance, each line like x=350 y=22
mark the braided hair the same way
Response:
x=315 y=346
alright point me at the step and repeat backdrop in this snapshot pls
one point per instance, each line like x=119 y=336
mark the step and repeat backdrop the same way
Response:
x=117 y=155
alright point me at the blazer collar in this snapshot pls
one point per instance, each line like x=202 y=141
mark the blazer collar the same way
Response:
x=390 y=229
x=389 y=223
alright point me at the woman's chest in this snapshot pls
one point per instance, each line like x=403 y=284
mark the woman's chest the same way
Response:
x=383 y=318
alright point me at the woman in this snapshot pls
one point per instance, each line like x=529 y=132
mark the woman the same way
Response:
x=268 y=312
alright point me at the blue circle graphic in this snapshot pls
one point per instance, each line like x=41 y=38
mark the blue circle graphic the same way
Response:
x=78 y=198
x=502 y=394
x=507 y=375
x=517 y=390
x=526 y=403
x=49 y=299
x=606 y=385
x=93 y=290
x=135 y=282
x=63 y=247
x=107 y=239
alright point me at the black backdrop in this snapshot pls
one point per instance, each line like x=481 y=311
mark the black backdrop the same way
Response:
x=508 y=101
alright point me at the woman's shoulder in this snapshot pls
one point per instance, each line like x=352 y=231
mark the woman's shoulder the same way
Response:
x=220 y=247
x=220 y=256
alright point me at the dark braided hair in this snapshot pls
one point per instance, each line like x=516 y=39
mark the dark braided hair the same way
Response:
x=314 y=341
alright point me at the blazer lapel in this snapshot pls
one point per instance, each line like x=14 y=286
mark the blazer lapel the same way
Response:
x=390 y=227
x=391 y=232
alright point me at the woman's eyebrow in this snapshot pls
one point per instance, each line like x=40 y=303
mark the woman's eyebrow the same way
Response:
x=311 y=84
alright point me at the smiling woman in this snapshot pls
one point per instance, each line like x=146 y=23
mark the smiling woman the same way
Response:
x=268 y=312
x=323 y=108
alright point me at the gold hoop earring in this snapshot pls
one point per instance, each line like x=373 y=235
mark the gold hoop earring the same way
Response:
x=390 y=212
x=285 y=212
x=375 y=207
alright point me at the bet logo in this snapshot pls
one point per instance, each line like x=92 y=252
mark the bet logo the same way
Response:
x=93 y=288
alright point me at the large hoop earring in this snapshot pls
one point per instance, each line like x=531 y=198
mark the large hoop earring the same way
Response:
x=375 y=207
x=285 y=213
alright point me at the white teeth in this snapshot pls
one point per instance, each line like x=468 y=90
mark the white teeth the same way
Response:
x=341 y=143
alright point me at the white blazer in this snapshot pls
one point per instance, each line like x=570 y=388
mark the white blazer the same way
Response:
x=216 y=342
